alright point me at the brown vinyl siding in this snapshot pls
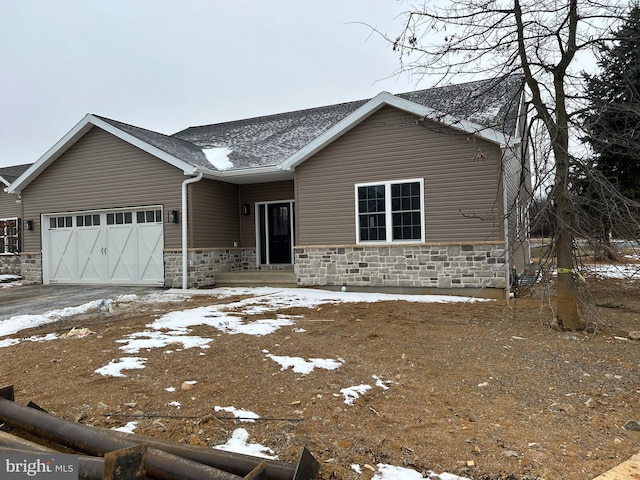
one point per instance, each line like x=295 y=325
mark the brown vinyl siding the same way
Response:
x=9 y=207
x=260 y=192
x=215 y=214
x=101 y=171
x=461 y=179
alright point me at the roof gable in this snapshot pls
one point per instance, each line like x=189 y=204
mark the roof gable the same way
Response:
x=375 y=104
x=143 y=139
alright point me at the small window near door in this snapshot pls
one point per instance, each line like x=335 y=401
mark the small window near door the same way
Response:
x=9 y=235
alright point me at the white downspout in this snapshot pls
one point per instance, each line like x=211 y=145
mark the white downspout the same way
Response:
x=184 y=226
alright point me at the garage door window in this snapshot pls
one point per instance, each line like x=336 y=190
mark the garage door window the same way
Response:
x=60 y=222
x=120 y=218
x=149 y=216
x=87 y=220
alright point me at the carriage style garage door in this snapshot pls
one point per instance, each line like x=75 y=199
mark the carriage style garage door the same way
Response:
x=116 y=247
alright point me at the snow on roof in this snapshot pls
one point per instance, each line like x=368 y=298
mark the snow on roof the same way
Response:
x=270 y=140
x=219 y=157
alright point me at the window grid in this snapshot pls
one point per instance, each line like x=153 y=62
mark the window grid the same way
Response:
x=9 y=234
x=390 y=211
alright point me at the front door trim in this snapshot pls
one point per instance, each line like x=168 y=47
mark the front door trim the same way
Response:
x=262 y=238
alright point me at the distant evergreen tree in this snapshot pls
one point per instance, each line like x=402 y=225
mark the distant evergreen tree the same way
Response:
x=609 y=184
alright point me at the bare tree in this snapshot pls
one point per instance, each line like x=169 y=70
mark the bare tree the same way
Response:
x=544 y=40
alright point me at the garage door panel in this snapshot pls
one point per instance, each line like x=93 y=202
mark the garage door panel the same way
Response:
x=121 y=253
x=91 y=257
x=105 y=247
x=64 y=261
x=150 y=242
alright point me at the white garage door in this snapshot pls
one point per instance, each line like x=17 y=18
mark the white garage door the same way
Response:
x=119 y=247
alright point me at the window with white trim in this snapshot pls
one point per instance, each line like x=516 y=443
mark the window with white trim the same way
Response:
x=9 y=235
x=390 y=212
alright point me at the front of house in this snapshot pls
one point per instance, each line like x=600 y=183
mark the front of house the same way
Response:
x=396 y=192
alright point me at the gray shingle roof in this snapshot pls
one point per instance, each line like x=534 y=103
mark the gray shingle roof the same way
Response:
x=270 y=140
x=490 y=103
x=175 y=146
x=13 y=172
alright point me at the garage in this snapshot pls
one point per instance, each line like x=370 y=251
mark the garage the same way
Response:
x=121 y=246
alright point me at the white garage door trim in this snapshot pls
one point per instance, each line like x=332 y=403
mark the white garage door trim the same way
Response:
x=117 y=246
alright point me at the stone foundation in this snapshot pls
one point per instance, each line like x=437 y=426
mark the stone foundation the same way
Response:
x=31 y=267
x=9 y=264
x=459 y=266
x=203 y=264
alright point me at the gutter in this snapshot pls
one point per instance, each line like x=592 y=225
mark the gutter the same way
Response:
x=185 y=217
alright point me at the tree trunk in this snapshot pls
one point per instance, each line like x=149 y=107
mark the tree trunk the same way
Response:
x=567 y=315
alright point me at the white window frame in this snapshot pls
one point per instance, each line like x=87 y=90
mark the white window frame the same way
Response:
x=388 y=212
x=4 y=233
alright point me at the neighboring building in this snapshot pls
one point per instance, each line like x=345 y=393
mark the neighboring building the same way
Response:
x=10 y=221
x=417 y=190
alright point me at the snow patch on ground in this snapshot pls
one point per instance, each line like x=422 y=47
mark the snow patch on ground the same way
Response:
x=114 y=367
x=300 y=365
x=238 y=444
x=22 y=322
x=128 y=428
x=242 y=415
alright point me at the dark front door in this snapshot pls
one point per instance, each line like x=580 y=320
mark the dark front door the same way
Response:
x=279 y=232
x=275 y=232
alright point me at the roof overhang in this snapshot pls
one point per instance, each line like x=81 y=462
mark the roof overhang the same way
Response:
x=249 y=175
x=75 y=134
x=386 y=99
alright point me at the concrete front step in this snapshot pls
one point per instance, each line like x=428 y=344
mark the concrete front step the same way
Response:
x=256 y=278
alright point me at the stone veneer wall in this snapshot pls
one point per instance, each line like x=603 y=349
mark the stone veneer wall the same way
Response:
x=9 y=264
x=426 y=266
x=203 y=264
x=31 y=267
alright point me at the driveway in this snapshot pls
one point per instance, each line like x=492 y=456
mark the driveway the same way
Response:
x=38 y=299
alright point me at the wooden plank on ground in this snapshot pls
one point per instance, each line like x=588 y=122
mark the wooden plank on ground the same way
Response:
x=629 y=470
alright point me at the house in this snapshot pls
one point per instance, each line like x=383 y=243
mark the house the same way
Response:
x=418 y=191
x=10 y=221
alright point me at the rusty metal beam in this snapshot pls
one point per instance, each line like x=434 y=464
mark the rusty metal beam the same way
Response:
x=236 y=463
x=160 y=465
x=126 y=464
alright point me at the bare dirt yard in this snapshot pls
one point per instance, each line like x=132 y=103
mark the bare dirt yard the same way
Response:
x=484 y=390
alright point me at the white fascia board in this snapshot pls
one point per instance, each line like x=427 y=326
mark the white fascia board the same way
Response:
x=75 y=134
x=248 y=175
x=376 y=104
x=4 y=180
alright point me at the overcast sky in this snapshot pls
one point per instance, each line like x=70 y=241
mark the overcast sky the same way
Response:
x=169 y=64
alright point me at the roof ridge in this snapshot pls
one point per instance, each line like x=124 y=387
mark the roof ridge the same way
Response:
x=272 y=115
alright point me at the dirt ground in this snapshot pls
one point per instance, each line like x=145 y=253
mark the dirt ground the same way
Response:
x=484 y=390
